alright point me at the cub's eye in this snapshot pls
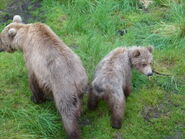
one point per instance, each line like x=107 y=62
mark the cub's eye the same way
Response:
x=144 y=65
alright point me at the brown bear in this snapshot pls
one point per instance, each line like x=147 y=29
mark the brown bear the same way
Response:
x=52 y=66
x=112 y=79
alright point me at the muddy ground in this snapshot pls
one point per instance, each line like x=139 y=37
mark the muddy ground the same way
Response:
x=30 y=11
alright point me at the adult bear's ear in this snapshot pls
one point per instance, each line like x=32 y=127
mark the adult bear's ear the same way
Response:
x=12 y=32
x=150 y=49
x=17 y=19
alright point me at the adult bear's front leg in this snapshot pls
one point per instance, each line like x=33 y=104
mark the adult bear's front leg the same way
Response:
x=38 y=94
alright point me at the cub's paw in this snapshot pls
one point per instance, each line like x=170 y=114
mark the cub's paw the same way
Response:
x=116 y=124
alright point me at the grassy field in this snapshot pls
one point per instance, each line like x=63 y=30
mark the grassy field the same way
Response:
x=156 y=107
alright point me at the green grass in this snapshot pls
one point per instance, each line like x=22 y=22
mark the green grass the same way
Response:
x=3 y=4
x=156 y=107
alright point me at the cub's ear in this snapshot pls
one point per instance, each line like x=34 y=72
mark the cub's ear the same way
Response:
x=12 y=32
x=17 y=19
x=150 y=49
x=136 y=53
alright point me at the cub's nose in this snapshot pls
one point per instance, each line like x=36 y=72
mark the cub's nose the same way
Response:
x=150 y=74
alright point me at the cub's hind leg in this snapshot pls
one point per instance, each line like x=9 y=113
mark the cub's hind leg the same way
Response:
x=116 y=101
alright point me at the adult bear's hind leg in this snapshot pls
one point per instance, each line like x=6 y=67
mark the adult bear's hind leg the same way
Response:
x=69 y=108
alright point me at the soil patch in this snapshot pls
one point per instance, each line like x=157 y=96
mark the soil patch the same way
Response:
x=154 y=112
x=160 y=110
x=177 y=135
x=25 y=8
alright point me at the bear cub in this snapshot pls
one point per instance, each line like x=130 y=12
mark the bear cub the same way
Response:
x=112 y=79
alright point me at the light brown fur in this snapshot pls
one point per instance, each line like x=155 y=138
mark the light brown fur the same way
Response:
x=53 y=68
x=112 y=79
x=146 y=3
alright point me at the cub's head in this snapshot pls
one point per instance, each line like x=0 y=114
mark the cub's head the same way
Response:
x=141 y=59
x=7 y=36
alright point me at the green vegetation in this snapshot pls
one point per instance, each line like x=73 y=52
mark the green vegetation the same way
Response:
x=156 y=107
x=3 y=4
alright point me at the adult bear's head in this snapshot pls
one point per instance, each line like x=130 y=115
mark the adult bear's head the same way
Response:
x=9 y=35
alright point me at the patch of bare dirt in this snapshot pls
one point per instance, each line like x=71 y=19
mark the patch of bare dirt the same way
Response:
x=177 y=135
x=160 y=110
x=154 y=112
x=25 y=8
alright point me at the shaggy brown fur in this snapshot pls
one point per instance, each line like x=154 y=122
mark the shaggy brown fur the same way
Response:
x=53 y=68
x=112 y=80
